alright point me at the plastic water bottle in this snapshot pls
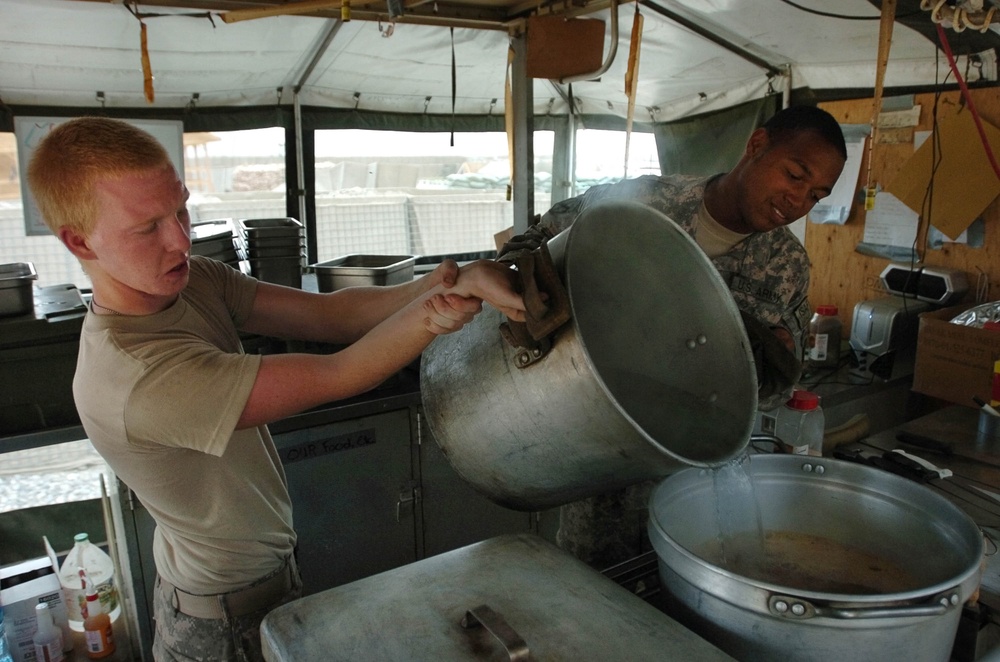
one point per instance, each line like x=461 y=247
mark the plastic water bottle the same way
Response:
x=4 y=646
x=48 y=638
x=99 y=567
x=800 y=424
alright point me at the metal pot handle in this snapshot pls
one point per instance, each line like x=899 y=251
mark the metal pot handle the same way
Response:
x=495 y=624
x=547 y=304
x=793 y=608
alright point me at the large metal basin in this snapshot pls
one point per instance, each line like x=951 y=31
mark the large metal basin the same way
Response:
x=811 y=559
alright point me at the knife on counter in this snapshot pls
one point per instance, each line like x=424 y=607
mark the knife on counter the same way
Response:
x=935 y=445
x=971 y=498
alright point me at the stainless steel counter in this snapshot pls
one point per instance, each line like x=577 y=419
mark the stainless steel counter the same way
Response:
x=399 y=391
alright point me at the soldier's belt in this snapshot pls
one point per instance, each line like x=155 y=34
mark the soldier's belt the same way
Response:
x=235 y=603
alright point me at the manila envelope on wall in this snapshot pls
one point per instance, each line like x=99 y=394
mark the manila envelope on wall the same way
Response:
x=965 y=182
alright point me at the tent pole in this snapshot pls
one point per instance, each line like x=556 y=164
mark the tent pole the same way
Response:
x=329 y=32
x=299 y=159
x=522 y=94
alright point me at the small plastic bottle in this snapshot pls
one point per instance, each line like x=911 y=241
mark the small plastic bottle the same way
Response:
x=825 y=331
x=48 y=638
x=4 y=645
x=800 y=424
x=97 y=627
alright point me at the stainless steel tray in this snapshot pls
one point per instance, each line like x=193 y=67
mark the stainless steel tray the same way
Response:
x=358 y=269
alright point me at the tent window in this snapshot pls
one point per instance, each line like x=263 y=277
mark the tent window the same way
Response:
x=237 y=174
x=413 y=193
x=600 y=157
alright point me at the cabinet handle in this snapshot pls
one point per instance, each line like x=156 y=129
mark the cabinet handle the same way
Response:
x=512 y=642
x=406 y=497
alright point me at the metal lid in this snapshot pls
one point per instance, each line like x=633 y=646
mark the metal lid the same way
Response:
x=559 y=609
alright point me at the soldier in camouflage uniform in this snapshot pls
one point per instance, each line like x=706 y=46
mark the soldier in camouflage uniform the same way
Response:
x=738 y=219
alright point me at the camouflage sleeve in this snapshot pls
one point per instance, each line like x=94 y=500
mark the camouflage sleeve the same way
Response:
x=772 y=282
x=561 y=215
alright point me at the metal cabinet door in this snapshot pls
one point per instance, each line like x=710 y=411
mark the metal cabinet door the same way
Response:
x=134 y=532
x=351 y=485
x=454 y=513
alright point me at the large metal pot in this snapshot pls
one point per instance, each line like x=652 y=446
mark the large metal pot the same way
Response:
x=856 y=563
x=652 y=373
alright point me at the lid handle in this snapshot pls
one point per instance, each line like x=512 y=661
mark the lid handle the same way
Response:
x=495 y=624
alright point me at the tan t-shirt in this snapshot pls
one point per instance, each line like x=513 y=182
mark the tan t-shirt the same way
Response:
x=159 y=396
x=714 y=239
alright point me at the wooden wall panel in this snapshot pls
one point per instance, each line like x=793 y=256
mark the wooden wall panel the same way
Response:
x=842 y=276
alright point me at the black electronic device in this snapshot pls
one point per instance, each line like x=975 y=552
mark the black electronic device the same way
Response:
x=937 y=285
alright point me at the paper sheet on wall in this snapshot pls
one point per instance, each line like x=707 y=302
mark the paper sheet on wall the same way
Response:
x=890 y=223
x=836 y=207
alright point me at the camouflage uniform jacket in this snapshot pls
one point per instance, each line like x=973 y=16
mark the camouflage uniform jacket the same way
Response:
x=767 y=273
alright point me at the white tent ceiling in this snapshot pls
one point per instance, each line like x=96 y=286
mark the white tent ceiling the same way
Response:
x=63 y=52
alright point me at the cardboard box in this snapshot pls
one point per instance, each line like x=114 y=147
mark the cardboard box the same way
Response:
x=954 y=362
x=22 y=586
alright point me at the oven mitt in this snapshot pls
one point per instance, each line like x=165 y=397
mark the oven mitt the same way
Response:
x=524 y=243
x=777 y=368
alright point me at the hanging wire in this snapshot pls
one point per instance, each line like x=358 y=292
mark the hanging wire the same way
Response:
x=842 y=16
x=924 y=219
x=968 y=99
x=993 y=543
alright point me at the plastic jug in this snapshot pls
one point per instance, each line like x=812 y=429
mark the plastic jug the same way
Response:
x=99 y=568
x=800 y=424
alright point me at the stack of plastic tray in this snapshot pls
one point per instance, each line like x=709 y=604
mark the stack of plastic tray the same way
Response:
x=275 y=249
x=218 y=239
